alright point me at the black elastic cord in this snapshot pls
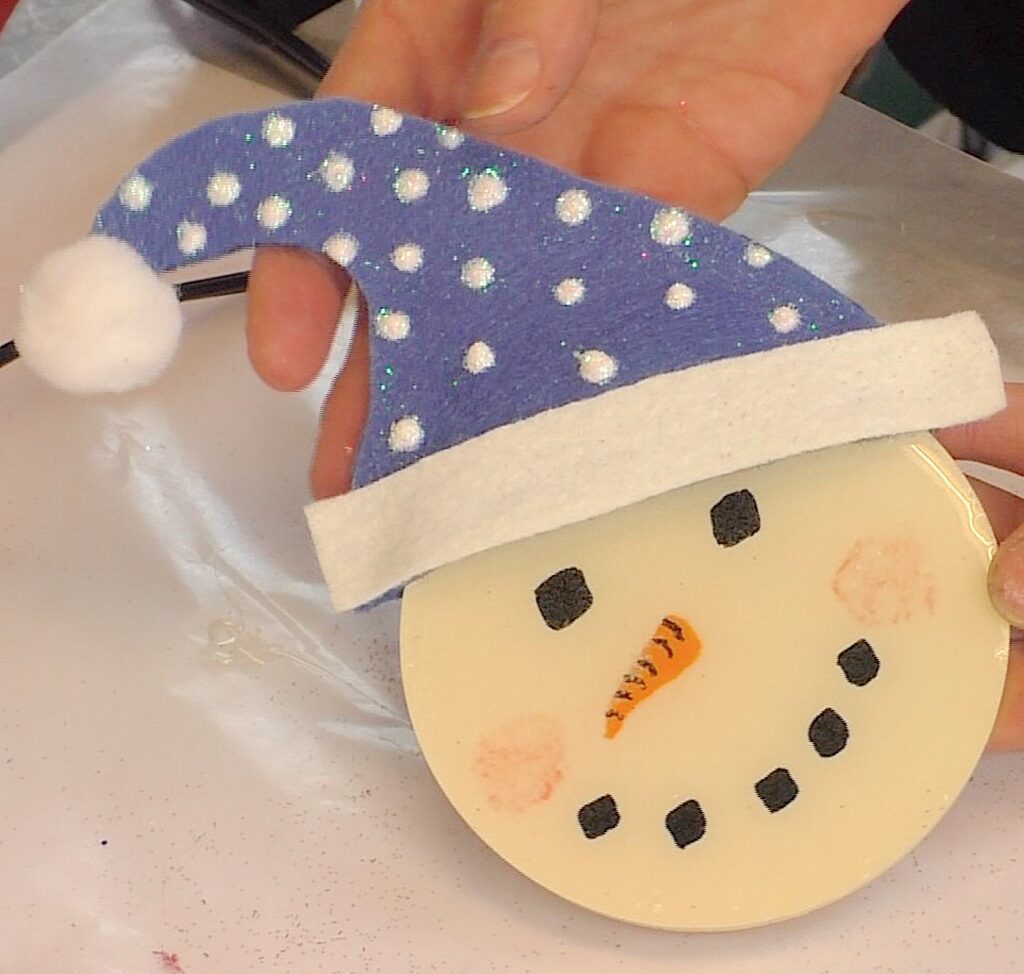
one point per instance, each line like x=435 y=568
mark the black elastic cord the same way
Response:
x=213 y=287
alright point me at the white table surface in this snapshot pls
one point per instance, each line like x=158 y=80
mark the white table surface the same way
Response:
x=197 y=757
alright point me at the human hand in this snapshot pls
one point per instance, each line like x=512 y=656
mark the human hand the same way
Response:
x=690 y=101
x=999 y=442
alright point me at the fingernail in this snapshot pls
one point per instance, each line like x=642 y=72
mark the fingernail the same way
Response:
x=1006 y=580
x=503 y=77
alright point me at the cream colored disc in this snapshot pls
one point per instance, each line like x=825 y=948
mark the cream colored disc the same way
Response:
x=725 y=706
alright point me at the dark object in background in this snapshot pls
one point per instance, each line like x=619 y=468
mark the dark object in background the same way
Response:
x=271 y=23
x=288 y=13
x=968 y=55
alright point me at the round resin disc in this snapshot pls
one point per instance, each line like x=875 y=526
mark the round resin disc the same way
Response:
x=725 y=706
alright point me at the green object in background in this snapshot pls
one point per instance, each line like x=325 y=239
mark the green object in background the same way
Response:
x=883 y=85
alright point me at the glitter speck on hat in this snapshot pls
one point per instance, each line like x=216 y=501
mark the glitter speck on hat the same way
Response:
x=596 y=366
x=570 y=291
x=223 y=189
x=573 y=207
x=406 y=435
x=478 y=273
x=392 y=325
x=278 y=130
x=407 y=257
x=385 y=121
x=337 y=171
x=680 y=296
x=757 y=255
x=486 y=190
x=785 y=318
x=670 y=226
x=411 y=185
x=342 y=248
x=191 y=238
x=274 y=212
x=136 y=193
x=479 y=358
x=449 y=136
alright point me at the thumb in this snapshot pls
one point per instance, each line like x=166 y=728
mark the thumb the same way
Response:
x=1006 y=579
x=528 y=55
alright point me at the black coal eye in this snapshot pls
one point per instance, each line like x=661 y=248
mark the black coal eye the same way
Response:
x=563 y=598
x=828 y=733
x=735 y=518
x=777 y=789
x=859 y=663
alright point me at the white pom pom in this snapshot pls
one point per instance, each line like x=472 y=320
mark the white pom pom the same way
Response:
x=96 y=318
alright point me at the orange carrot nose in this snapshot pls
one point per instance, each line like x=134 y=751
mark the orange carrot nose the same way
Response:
x=672 y=648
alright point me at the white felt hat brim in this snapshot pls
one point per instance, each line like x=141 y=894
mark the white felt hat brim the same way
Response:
x=641 y=440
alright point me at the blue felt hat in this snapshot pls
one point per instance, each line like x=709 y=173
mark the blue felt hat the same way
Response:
x=543 y=349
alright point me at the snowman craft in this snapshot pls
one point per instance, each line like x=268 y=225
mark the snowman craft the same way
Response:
x=670 y=648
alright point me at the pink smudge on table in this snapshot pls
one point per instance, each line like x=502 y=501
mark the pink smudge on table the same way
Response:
x=884 y=580
x=169 y=961
x=521 y=763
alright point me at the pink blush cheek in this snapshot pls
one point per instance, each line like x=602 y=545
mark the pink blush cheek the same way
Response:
x=884 y=581
x=521 y=763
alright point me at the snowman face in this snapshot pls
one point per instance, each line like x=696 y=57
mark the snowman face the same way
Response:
x=724 y=706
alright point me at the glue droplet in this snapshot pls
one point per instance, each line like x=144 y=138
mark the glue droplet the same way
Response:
x=231 y=644
x=223 y=632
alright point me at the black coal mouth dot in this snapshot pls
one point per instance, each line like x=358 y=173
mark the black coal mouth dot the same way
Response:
x=598 y=817
x=828 y=733
x=686 y=823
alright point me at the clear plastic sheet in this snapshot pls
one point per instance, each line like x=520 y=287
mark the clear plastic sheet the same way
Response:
x=202 y=768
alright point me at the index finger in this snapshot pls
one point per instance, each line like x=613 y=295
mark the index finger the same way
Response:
x=295 y=297
x=997 y=441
